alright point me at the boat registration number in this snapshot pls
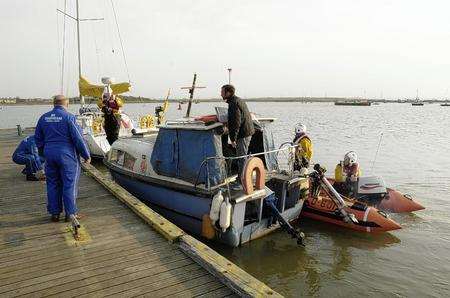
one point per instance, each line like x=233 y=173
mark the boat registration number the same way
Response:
x=322 y=203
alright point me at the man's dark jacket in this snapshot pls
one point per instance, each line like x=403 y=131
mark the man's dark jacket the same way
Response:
x=240 y=124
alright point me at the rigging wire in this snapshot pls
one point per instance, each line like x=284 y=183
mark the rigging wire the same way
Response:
x=107 y=25
x=376 y=154
x=58 y=44
x=63 y=58
x=110 y=62
x=73 y=71
x=120 y=39
x=97 y=51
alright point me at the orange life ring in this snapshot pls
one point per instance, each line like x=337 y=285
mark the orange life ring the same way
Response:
x=253 y=164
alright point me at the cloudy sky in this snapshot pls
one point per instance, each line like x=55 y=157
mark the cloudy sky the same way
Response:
x=276 y=48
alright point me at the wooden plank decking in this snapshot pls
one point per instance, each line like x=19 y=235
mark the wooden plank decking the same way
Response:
x=118 y=254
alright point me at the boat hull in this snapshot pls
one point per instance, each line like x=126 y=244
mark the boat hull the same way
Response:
x=394 y=202
x=397 y=202
x=98 y=144
x=187 y=210
x=370 y=219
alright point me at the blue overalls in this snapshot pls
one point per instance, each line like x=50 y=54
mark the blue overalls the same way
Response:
x=27 y=154
x=60 y=137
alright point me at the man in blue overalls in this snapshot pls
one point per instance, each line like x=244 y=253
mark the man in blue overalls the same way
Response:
x=60 y=138
x=27 y=154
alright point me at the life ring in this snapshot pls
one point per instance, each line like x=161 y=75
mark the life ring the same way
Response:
x=253 y=164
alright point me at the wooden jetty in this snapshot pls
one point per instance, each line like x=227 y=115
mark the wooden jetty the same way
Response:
x=120 y=251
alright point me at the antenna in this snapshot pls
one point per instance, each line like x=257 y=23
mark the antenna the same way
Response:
x=191 y=94
x=78 y=20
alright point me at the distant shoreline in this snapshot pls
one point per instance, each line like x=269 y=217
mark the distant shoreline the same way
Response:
x=132 y=99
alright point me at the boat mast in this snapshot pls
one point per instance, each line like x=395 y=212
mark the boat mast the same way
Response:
x=78 y=20
x=79 y=51
x=191 y=94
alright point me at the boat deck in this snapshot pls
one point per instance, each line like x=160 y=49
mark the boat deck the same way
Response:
x=117 y=253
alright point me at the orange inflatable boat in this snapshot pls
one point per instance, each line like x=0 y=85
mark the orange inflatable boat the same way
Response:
x=370 y=219
x=396 y=202
x=324 y=203
x=371 y=190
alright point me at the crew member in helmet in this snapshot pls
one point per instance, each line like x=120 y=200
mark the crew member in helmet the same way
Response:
x=110 y=106
x=347 y=173
x=304 y=149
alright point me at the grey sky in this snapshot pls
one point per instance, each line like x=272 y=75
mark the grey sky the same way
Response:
x=276 y=48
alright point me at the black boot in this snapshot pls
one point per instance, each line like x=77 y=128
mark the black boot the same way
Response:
x=32 y=178
x=54 y=218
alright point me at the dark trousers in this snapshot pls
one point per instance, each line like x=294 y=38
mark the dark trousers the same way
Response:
x=242 y=149
x=112 y=127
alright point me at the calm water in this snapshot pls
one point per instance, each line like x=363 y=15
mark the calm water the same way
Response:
x=414 y=157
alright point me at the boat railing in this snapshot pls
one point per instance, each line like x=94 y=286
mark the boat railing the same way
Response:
x=285 y=156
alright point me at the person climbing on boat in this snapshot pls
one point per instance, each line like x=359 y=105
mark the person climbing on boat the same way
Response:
x=60 y=138
x=347 y=173
x=240 y=124
x=303 y=151
x=27 y=154
x=110 y=105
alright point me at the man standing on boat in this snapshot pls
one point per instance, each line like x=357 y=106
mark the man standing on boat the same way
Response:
x=240 y=124
x=60 y=138
x=110 y=106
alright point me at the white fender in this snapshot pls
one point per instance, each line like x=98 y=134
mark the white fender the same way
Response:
x=225 y=215
x=215 y=207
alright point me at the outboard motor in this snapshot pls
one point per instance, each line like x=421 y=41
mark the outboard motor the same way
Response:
x=371 y=189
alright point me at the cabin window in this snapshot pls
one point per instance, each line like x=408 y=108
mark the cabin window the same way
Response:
x=116 y=156
x=128 y=161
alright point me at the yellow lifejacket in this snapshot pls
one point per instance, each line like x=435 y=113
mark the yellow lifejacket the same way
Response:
x=340 y=175
x=117 y=107
x=305 y=148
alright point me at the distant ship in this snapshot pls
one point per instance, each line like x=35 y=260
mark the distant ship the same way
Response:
x=417 y=101
x=364 y=103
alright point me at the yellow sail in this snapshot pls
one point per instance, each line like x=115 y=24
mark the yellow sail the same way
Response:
x=88 y=89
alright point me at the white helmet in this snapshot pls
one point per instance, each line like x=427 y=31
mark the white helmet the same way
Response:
x=350 y=158
x=300 y=128
x=107 y=80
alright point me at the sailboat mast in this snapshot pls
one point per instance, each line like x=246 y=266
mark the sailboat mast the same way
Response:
x=79 y=50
